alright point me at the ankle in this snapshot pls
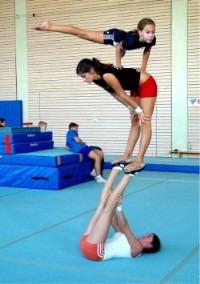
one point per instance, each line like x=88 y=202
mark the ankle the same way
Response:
x=100 y=179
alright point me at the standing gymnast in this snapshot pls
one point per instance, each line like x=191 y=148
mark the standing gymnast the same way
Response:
x=140 y=103
x=143 y=36
x=94 y=243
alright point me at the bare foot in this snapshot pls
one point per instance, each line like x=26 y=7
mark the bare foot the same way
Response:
x=122 y=159
x=42 y=26
x=134 y=165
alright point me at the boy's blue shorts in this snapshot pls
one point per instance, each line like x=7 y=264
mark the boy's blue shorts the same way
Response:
x=87 y=149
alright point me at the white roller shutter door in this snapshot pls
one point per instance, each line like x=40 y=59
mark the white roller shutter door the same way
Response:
x=58 y=96
x=193 y=76
x=7 y=50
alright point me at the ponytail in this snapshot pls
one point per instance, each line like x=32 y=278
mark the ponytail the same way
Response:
x=86 y=64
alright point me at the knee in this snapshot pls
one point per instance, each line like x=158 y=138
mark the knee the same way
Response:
x=135 y=123
x=146 y=126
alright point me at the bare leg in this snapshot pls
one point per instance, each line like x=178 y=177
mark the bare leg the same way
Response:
x=147 y=105
x=132 y=139
x=94 y=36
x=101 y=155
x=97 y=161
x=103 y=200
x=101 y=227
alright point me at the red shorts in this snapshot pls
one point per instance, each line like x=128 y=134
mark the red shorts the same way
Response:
x=147 y=89
x=91 y=251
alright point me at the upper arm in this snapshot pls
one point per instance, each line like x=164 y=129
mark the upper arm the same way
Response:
x=119 y=93
x=114 y=83
x=147 y=49
x=77 y=139
x=136 y=247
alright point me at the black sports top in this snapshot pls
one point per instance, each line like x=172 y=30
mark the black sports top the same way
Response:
x=131 y=41
x=129 y=78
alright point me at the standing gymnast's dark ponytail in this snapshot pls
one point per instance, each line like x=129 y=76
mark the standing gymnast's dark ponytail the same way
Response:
x=86 y=64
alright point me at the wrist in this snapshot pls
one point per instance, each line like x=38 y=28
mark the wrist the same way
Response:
x=130 y=108
x=119 y=208
x=138 y=110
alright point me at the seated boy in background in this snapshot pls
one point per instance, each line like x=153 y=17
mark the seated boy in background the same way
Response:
x=77 y=145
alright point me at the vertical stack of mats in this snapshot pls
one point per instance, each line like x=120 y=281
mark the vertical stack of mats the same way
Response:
x=14 y=140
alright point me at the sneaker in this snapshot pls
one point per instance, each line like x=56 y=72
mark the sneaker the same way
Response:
x=93 y=173
x=100 y=179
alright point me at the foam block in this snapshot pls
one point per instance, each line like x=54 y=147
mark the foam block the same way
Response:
x=45 y=177
x=25 y=147
x=46 y=158
x=14 y=130
x=25 y=137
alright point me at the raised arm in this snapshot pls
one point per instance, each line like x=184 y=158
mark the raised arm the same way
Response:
x=136 y=246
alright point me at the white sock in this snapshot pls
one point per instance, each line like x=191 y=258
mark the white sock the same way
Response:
x=93 y=173
x=100 y=179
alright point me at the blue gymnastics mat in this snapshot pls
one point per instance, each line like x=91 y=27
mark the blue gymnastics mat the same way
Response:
x=25 y=137
x=14 y=130
x=55 y=157
x=26 y=147
x=185 y=165
x=48 y=169
x=41 y=230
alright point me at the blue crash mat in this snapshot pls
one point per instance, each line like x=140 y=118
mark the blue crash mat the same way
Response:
x=14 y=130
x=9 y=149
x=45 y=177
x=25 y=137
x=55 y=157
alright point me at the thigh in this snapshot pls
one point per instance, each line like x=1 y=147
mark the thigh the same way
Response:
x=99 y=232
x=147 y=105
x=94 y=36
x=92 y=154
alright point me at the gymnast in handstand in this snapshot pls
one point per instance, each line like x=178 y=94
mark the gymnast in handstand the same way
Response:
x=94 y=243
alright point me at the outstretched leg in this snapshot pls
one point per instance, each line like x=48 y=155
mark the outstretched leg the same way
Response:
x=94 y=36
x=103 y=200
x=100 y=229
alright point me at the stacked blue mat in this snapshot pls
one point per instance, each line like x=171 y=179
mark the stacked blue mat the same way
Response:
x=15 y=140
x=29 y=160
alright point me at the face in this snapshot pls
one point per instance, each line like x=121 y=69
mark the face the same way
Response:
x=3 y=124
x=75 y=128
x=147 y=34
x=147 y=240
x=88 y=77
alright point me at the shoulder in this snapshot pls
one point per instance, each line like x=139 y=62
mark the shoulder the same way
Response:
x=72 y=133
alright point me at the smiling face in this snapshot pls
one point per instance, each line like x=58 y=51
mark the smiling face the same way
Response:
x=147 y=34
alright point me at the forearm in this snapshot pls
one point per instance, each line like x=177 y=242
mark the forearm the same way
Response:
x=125 y=100
x=115 y=224
x=145 y=58
x=122 y=220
